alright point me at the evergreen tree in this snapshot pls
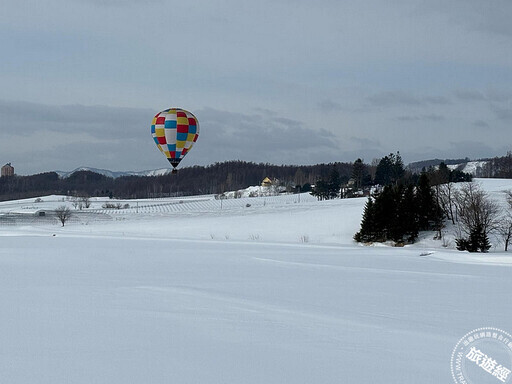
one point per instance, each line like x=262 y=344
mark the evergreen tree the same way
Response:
x=477 y=241
x=384 y=171
x=457 y=176
x=321 y=190
x=325 y=190
x=444 y=173
x=385 y=213
x=485 y=244
x=426 y=203
x=481 y=240
x=409 y=215
x=306 y=187
x=431 y=214
x=394 y=222
x=394 y=214
x=397 y=170
x=334 y=185
x=359 y=173
x=474 y=239
x=462 y=244
x=390 y=169
x=367 y=231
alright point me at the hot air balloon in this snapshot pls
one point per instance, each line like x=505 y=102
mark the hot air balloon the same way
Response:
x=175 y=131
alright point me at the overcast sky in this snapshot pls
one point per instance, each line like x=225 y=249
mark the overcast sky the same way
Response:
x=281 y=81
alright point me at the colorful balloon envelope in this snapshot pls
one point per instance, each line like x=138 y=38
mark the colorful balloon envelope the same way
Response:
x=175 y=131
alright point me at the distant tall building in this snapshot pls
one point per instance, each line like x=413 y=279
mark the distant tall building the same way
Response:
x=7 y=170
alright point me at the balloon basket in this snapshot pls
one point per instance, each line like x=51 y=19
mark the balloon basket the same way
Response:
x=174 y=171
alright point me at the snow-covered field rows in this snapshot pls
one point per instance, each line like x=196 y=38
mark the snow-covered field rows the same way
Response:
x=203 y=204
x=188 y=291
x=143 y=206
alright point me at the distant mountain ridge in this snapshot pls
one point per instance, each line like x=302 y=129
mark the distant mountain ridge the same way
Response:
x=115 y=174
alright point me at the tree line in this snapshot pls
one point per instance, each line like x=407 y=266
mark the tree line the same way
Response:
x=498 y=167
x=234 y=175
x=212 y=179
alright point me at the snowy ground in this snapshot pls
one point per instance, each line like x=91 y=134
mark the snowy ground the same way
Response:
x=189 y=291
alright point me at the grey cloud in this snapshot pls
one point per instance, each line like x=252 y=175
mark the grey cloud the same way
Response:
x=480 y=124
x=288 y=123
x=441 y=100
x=476 y=148
x=259 y=137
x=492 y=95
x=503 y=113
x=401 y=98
x=366 y=153
x=475 y=15
x=468 y=95
x=120 y=3
x=364 y=142
x=392 y=98
x=40 y=137
x=119 y=138
x=430 y=117
x=265 y=111
x=96 y=121
x=55 y=143
x=499 y=95
x=454 y=150
x=119 y=154
x=329 y=106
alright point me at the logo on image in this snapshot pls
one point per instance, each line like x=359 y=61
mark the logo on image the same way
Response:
x=483 y=355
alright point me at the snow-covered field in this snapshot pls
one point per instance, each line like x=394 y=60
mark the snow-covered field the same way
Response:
x=251 y=290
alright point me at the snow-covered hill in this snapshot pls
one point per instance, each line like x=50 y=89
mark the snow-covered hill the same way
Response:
x=251 y=290
x=115 y=174
x=474 y=168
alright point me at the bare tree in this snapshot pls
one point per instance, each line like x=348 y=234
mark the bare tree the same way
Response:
x=445 y=195
x=275 y=187
x=86 y=200
x=505 y=230
x=63 y=214
x=373 y=168
x=478 y=216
